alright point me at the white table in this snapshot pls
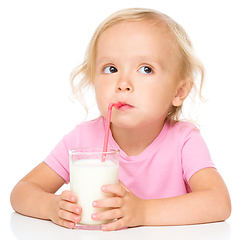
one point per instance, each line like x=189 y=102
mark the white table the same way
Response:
x=26 y=228
x=15 y=226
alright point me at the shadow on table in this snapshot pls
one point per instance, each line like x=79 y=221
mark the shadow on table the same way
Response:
x=26 y=228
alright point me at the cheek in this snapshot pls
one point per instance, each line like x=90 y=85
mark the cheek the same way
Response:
x=100 y=102
x=101 y=85
x=102 y=97
x=162 y=96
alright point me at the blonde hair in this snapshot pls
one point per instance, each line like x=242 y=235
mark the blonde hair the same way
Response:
x=82 y=77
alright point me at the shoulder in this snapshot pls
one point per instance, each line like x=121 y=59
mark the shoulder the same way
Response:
x=175 y=136
x=95 y=124
x=86 y=132
x=182 y=129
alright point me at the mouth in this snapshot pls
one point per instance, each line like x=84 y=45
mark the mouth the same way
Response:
x=123 y=105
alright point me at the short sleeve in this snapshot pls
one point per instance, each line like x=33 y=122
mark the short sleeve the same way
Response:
x=195 y=155
x=58 y=160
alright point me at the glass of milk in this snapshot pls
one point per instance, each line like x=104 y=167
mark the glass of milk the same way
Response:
x=88 y=173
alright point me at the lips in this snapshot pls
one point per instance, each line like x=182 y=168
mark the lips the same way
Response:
x=124 y=105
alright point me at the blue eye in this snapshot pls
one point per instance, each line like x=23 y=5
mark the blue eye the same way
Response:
x=110 y=69
x=146 y=70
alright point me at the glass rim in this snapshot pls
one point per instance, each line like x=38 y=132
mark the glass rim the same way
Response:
x=88 y=151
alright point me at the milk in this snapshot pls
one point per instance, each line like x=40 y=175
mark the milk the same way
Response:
x=86 y=179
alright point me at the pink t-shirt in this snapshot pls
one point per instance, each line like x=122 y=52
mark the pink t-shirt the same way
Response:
x=162 y=170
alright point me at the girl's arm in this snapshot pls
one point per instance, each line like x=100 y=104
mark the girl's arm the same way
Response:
x=34 y=196
x=209 y=201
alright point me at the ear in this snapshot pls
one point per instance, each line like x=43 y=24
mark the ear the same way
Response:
x=183 y=90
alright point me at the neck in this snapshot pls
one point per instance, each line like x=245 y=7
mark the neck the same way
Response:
x=135 y=141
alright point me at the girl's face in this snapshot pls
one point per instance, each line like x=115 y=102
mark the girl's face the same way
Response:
x=137 y=65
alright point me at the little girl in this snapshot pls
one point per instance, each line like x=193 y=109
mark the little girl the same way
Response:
x=144 y=60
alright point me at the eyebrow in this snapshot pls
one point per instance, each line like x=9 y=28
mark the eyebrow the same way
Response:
x=147 y=59
x=143 y=58
x=104 y=59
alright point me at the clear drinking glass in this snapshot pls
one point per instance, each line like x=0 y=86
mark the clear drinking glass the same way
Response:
x=88 y=173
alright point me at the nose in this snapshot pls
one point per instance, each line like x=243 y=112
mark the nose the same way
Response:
x=124 y=85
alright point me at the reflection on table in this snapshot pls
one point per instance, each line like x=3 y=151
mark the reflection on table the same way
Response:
x=26 y=228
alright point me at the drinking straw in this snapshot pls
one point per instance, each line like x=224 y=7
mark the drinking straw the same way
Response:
x=105 y=145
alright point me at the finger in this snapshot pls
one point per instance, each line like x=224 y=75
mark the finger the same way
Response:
x=68 y=216
x=108 y=215
x=115 y=202
x=71 y=207
x=118 y=190
x=118 y=224
x=67 y=224
x=68 y=196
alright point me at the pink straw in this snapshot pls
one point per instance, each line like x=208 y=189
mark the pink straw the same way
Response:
x=105 y=145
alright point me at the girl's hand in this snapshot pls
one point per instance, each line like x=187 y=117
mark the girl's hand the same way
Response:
x=64 y=210
x=128 y=209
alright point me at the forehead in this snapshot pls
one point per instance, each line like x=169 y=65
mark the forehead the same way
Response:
x=137 y=39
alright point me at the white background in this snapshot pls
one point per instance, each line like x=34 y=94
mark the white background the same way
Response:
x=42 y=41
